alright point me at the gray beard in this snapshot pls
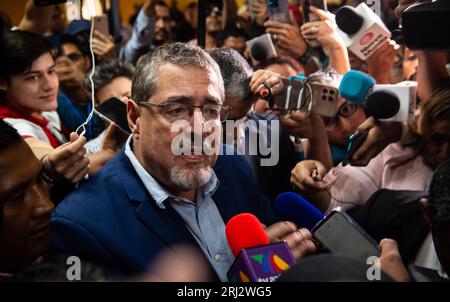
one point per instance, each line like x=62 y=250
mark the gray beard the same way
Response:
x=190 y=178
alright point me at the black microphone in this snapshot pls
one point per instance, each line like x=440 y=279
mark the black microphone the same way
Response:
x=349 y=20
x=259 y=51
x=362 y=31
x=382 y=104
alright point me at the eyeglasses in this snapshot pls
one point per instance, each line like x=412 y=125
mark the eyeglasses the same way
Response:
x=183 y=111
x=217 y=10
x=345 y=110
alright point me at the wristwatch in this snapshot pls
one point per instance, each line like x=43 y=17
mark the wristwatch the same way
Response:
x=306 y=57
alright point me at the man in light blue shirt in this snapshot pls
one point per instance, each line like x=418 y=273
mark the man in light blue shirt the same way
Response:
x=151 y=197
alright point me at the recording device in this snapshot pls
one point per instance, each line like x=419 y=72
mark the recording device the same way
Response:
x=261 y=48
x=425 y=26
x=293 y=207
x=256 y=259
x=307 y=16
x=114 y=110
x=380 y=101
x=406 y=94
x=340 y=234
x=49 y=2
x=101 y=24
x=308 y=97
x=362 y=30
x=355 y=86
x=279 y=10
x=354 y=142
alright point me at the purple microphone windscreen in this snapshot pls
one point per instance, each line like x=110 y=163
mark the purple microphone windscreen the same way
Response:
x=293 y=207
x=382 y=104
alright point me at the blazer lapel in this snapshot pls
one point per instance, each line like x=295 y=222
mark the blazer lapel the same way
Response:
x=165 y=223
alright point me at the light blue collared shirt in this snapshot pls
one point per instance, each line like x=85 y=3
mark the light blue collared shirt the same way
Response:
x=202 y=218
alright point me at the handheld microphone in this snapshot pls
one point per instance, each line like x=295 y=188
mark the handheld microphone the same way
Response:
x=261 y=48
x=293 y=207
x=362 y=30
x=405 y=93
x=355 y=86
x=256 y=259
x=360 y=88
x=382 y=104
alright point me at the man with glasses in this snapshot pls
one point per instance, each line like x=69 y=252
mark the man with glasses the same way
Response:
x=151 y=196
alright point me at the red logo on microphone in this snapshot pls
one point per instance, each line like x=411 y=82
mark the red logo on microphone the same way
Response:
x=366 y=38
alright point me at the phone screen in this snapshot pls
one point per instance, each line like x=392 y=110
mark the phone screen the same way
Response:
x=279 y=10
x=114 y=110
x=340 y=234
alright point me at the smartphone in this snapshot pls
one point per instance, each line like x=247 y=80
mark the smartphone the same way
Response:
x=340 y=234
x=114 y=110
x=354 y=142
x=309 y=97
x=307 y=16
x=48 y=2
x=101 y=24
x=279 y=10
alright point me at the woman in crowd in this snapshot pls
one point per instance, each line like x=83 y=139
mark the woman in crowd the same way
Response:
x=400 y=166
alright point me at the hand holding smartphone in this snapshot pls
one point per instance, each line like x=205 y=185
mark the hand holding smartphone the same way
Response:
x=101 y=24
x=114 y=110
x=307 y=16
x=354 y=142
x=279 y=10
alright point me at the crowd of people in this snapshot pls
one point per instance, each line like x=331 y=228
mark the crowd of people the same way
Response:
x=206 y=142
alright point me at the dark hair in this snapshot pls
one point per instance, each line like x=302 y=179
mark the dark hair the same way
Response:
x=161 y=3
x=8 y=136
x=233 y=31
x=5 y=22
x=280 y=61
x=80 y=40
x=439 y=199
x=18 y=51
x=105 y=72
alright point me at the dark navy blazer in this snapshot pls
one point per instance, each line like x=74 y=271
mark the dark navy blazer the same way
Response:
x=111 y=219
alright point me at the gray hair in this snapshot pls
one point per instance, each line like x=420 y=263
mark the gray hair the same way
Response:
x=236 y=72
x=145 y=80
x=327 y=76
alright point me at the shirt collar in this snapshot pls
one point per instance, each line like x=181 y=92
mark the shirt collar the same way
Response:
x=156 y=191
